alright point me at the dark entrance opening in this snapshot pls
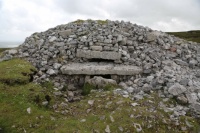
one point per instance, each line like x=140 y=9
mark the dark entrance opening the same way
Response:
x=100 y=60
x=103 y=76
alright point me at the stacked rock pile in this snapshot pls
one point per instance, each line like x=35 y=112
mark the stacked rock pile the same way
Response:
x=163 y=62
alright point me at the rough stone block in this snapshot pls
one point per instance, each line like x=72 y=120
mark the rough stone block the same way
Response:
x=98 y=55
x=99 y=69
x=96 y=48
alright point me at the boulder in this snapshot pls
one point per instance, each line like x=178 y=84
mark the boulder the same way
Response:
x=176 y=89
x=100 y=82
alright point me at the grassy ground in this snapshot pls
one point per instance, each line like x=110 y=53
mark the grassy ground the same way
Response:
x=105 y=109
x=3 y=49
x=188 y=35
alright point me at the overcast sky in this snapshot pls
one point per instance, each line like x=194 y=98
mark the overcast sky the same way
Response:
x=20 y=18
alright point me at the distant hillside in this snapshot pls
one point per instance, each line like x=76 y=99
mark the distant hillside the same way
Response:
x=9 y=44
x=188 y=35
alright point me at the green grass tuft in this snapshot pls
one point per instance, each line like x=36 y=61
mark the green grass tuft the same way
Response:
x=79 y=21
x=3 y=49
x=16 y=71
x=102 y=22
x=87 y=88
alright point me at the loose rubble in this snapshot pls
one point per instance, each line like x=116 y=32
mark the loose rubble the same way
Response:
x=156 y=60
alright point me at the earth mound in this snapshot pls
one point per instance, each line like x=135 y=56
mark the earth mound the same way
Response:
x=136 y=58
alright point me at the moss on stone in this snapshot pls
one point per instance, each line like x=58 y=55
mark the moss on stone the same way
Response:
x=79 y=21
x=102 y=22
x=109 y=87
x=47 y=84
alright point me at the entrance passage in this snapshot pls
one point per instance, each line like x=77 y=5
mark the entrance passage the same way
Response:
x=101 y=60
x=103 y=76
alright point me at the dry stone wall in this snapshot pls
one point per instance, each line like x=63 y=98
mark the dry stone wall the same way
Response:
x=163 y=62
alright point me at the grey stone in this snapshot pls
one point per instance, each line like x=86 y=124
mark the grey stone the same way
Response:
x=198 y=74
x=71 y=87
x=180 y=62
x=130 y=89
x=45 y=103
x=51 y=72
x=65 y=33
x=91 y=102
x=99 y=69
x=96 y=48
x=151 y=36
x=57 y=65
x=192 y=63
x=137 y=127
x=166 y=46
x=12 y=51
x=99 y=55
x=119 y=38
x=192 y=97
x=29 y=110
x=107 y=130
x=196 y=107
x=100 y=82
x=147 y=88
x=182 y=99
x=184 y=82
x=176 y=89
x=52 y=39
x=43 y=63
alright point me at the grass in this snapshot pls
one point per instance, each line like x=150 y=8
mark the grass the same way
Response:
x=108 y=108
x=188 y=35
x=102 y=22
x=16 y=71
x=3 y=49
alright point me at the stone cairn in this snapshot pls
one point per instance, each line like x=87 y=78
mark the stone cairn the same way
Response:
x=137 y=58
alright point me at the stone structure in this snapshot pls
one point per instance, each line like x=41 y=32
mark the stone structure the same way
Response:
x=137 y=57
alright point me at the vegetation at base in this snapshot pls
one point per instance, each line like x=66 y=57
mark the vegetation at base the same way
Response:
x=188 y=35
x=110 y=87
x=3 y=49
x=16 y=71
x=87 y=88
x=107 y=109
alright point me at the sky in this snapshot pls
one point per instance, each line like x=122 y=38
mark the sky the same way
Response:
x=20 y=18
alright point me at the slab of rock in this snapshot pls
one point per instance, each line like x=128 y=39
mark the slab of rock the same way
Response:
x=99 y=69
x=12 y=51
x=100 y=82
x=176 y=89
x=65 y=33
x=98 y=55
x=96 y=48
x=152 y=36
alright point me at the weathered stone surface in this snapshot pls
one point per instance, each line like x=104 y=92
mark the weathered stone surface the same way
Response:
x=96 y=48
x=65 y=33
x=12 y=51
x=151 y=37
x=52 y=39
x=100 y=82
x=99 y=69
x=98 y=55
x=196 y=107
x=192 y=97
x=177 y=89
